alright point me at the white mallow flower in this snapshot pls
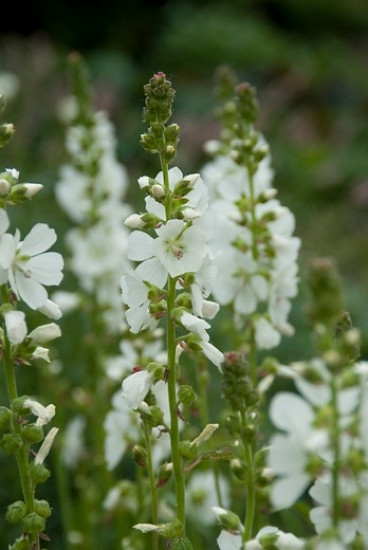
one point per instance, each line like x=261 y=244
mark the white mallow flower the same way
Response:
x=135 y=296
x=16 y=327
x=266 y=335
x=44 y=414
x=136 y=386
x=177 y=249
x=31 y=267
x=289 y=452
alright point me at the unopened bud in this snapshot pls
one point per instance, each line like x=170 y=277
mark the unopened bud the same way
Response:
x=16 y=512
x=228 y=520
x=158 y=191
x=134 y=221
x=33 y=523
x=186 y=395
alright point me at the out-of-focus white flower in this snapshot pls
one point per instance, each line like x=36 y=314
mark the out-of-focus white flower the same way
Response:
x=289 y=452
x=201 y=495
x=73 y=442
x=16 y=327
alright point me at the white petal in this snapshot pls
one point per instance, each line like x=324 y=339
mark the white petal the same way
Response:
x=286 y=491
x=139 y=246
x=30 y=291
x=4 y=221
x=291 y=413
x=136 y=387
x=229 y=541
x=152 y=271
x=46 y=268
x=39 y=239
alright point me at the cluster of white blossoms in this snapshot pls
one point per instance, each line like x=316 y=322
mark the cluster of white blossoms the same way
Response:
x=91 y=190
x=253 y=243
x=26 y=265
x=178 y=248
x=303 y=456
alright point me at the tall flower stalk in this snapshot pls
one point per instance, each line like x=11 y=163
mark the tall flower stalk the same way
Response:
x=25 y=269
x=170 y=281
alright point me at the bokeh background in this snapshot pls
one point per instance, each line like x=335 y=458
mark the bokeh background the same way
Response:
x=307 y=60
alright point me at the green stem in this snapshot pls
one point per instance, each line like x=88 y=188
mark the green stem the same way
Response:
x=151 y=476
x=172 y=369
x=171 y=384
x=335 y=436
x=250 y=484
x=255 y=252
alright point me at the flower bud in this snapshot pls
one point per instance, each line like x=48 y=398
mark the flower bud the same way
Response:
x=238 y=468
x=33 y=523
x=42 y=508
x=164 y=473
x=16 y=511
x=228 y=520
x=134 y=221
x=16 y=327
x=158 y=191
x=205 y=434
x=39 y=473
x=6 y=133
x=5 y=417
x=169 y=153
x=4 y=187
x=32 y=433
x=152 y=415
x=186 y=395
x=11 y=443
x=188 y=450
x=140 y=455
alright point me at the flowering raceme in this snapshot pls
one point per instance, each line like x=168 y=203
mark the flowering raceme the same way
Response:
x=253 y=244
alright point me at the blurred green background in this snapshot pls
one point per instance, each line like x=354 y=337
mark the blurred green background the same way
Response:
x=308 y=61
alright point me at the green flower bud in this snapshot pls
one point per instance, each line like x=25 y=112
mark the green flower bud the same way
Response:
x=42 y=508
x=33 y=523
x=236 y=382
x=39 y=473
x=172 y=530
x=18 y=406
x=188 y=450
x=228 y=520
x=16 y=511
x=5 y=417
x=6 y=133
x=181 y=544
x=140 y=455
x=32 y=433
x=325 y=286
x=186 y=395
x=152 y=415
x=239 y=469
x=11 y=443
x=164 y=473
x=169 y=153
x=233 y=425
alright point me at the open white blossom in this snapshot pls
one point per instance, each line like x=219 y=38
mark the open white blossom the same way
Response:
x=31 y=267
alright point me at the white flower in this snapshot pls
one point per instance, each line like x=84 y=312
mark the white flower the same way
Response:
x=44 y=414
x=16 y=327
x=178 y=249
x=31 y=267
x=136 y=386
x=201 y=495
x=44 y=333
x=229 y=541
x=73 y=443
x=288 y=456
